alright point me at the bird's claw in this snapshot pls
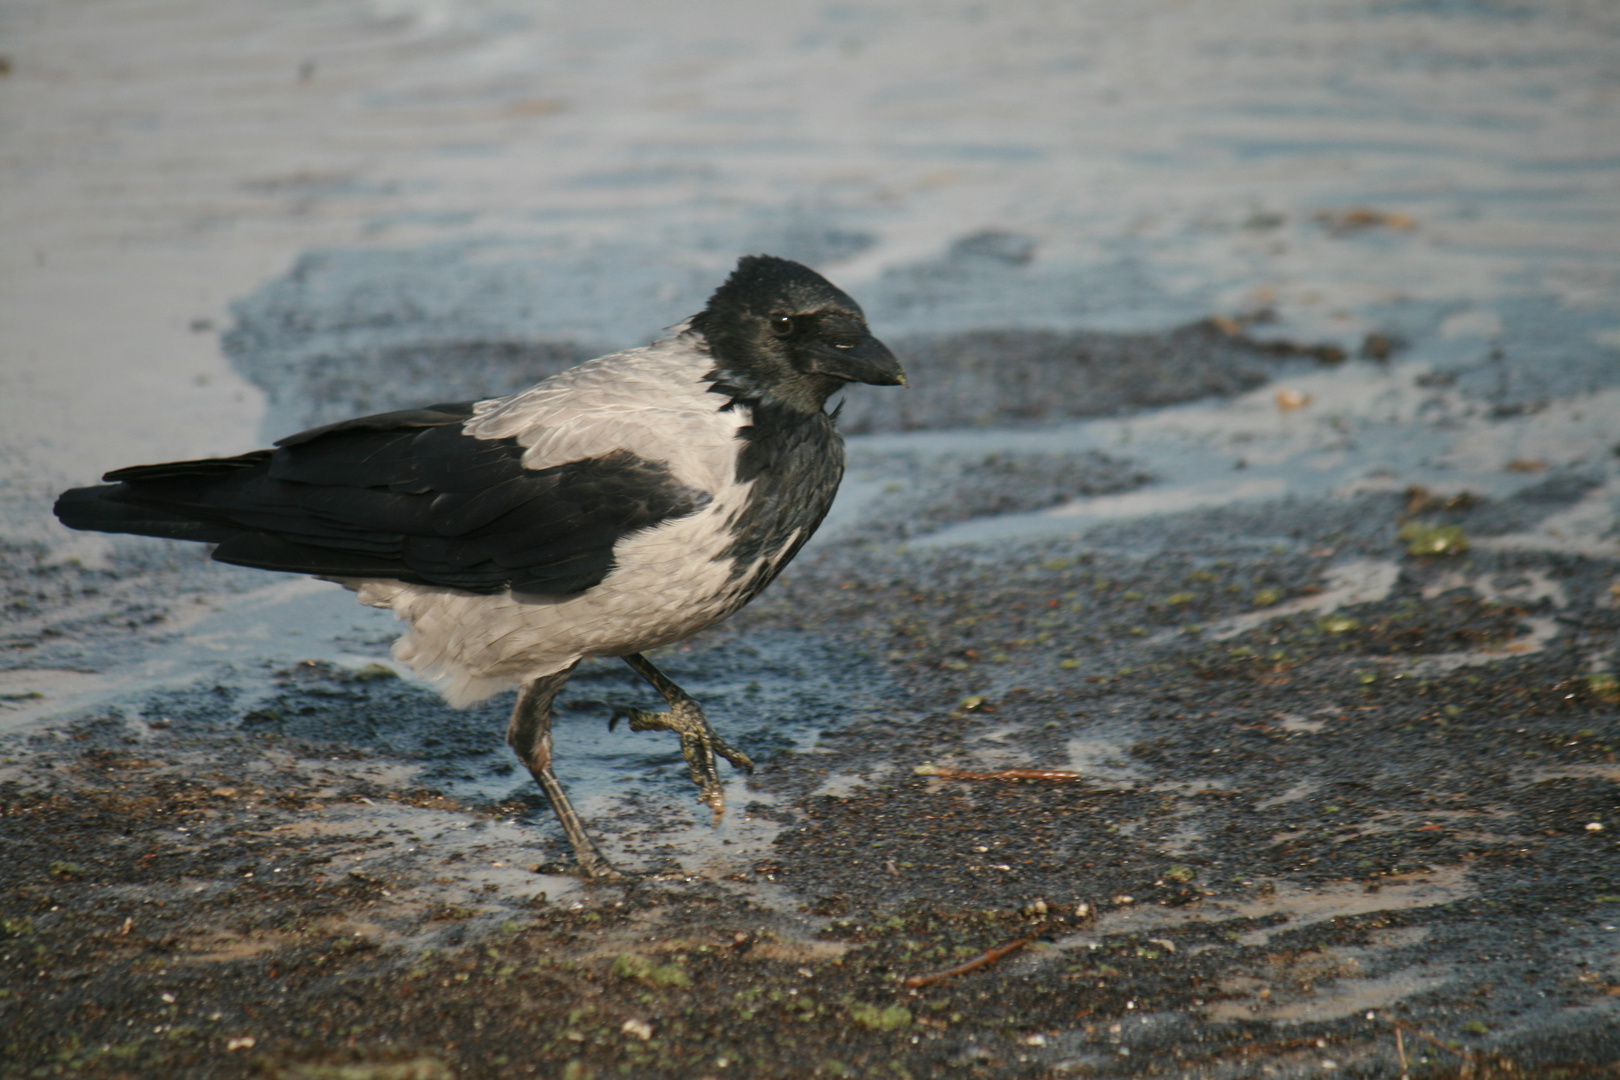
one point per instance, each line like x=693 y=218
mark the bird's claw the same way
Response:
x=591 y=865
x=699 y=745
x=603 y=873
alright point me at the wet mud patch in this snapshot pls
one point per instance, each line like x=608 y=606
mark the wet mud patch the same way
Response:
x=1366 y=523
x=769 y=692
x=351 y=332
x=158 y=922
x=1282 y=823
x=1313 y=712
x=84 y=609
x=1481 y=517
x=300 y=964
x=920 y=495
x=1540 y=351
x=1007 y=376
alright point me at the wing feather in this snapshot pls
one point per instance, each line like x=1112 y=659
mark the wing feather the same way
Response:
x=409 y=495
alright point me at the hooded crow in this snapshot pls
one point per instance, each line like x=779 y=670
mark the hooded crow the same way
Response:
x=619 y=506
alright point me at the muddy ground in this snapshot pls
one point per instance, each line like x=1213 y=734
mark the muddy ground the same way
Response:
x=1337 y=798
x=1258 y=467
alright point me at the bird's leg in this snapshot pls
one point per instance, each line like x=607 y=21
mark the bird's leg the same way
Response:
x=529 y=735
x=699 y=742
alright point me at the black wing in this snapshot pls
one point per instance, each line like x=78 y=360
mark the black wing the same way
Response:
x=401 y=495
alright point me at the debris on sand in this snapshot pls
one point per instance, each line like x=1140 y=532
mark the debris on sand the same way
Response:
x=1361 y=218
x=1426 y=539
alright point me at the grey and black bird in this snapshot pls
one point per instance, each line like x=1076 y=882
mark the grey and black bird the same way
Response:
x=619 y=506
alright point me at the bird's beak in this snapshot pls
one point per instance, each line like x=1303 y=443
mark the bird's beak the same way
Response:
x=867 y=360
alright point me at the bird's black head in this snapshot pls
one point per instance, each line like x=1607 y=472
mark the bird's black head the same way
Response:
x=781 y=332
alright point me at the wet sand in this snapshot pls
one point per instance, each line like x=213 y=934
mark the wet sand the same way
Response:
x=1260 y=470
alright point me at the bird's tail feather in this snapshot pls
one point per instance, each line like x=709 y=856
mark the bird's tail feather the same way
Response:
x=109 y=508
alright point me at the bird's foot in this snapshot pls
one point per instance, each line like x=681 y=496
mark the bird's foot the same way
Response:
x=595 y=869
x=699 y=745
x=600 y=871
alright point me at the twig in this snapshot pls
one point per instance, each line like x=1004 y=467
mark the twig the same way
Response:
x=1400 y=1050
x=1058 y=775
x=972 y=965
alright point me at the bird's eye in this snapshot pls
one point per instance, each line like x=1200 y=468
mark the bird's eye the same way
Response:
x=781 y=325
